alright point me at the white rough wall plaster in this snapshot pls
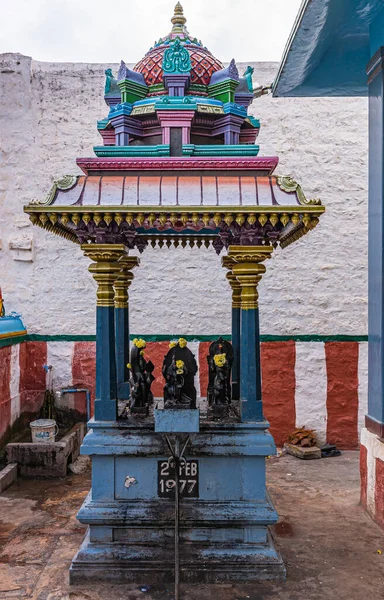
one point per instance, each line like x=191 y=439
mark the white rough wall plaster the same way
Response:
x=311 y=388
x=48 y=115
x=59 y=357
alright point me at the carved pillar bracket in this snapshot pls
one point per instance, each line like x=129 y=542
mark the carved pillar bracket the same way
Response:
x=247 y=268
x=124 y=280
x=228 y=263
x=122 y=283
x=105 y=269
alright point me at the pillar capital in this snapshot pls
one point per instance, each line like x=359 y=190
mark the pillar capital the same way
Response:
x=228 y=262
x=247 y=268
x=104 y=268
x=124 y=280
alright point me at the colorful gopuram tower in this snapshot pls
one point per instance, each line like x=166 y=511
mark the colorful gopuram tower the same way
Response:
x=178 y=166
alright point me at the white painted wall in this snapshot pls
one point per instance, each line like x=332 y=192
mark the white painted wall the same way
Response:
x=48 y=115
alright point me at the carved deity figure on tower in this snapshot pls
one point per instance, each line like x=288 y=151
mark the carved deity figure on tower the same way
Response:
x=176 y=59
x=179 y=370
x=141 y=379
x=220 y=360
x=110 y=83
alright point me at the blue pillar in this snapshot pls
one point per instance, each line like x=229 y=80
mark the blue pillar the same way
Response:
x=375 y=71
x=248 y=271
x=236 y=320
x=250 y=377
x=122 y=352
x=106 y=390
x=228 y=263
x=122 y=283
x=105 y=269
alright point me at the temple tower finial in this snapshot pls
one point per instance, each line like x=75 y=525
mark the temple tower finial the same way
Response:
x=178 y=20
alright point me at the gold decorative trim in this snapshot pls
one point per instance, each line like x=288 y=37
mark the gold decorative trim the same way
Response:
x=64 y=220
x=209 y=109
x=143 y=110
x=288 y=184
x=13 y=334
x=104 y=268
x=248 y=270
x=179 y=210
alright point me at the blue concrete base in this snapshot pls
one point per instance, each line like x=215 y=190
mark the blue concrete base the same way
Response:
x=224 y=532
x=185 y=420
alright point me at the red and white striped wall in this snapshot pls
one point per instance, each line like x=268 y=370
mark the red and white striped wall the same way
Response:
x=321 y=385
x=372 y=475
x=22 y=383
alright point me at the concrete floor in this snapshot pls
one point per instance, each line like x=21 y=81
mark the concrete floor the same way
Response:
x=328 y=543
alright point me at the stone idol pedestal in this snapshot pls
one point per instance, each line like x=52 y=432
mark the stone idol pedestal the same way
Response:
x=225 y=509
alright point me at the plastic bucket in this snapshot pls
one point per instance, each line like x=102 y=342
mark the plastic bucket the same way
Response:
x=43 y=430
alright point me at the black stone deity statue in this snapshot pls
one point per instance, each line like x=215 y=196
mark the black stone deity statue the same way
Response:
x=179 y=370
x=220 y=360
x=141 y=379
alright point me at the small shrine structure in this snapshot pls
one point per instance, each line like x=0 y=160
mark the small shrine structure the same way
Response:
x=178 y=165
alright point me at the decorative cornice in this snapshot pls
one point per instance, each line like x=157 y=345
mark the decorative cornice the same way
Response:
x=128 y=225
x=111 y=151
x=264 y=163
x=288 y=184
x=64 y=183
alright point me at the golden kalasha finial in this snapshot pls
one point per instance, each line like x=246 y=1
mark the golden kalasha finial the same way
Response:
x=178 y=19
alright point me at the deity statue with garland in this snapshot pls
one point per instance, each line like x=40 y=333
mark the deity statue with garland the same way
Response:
x=220 y=360
x=141 y=378
x=179 y=370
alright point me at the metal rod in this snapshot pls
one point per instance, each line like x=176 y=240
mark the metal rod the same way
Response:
x=177 y=518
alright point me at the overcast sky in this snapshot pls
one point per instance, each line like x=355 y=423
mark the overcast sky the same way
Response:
x=108 y=31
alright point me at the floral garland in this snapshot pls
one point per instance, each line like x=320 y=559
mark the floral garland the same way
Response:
x=220 y=360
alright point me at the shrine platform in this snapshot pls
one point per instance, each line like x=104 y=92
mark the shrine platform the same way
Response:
x=326 y=553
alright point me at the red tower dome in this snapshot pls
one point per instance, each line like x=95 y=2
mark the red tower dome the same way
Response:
x=202 y=61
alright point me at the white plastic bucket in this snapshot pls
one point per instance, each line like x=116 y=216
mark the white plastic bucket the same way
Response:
x=43 y=430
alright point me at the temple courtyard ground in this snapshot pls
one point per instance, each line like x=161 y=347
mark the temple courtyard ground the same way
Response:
x=330 y=546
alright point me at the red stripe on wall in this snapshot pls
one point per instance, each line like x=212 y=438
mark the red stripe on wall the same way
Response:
x=278 y=387
x=342 y=393
x=32 y=358
x=379 y=492
x=203 y=367
x=155 y=351
x=363 y=475
x=84 y=367
x=5 y=395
